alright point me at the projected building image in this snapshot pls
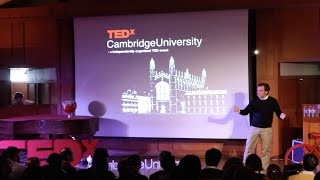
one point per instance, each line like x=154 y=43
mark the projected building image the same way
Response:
x=174 y=92
x=172 y=75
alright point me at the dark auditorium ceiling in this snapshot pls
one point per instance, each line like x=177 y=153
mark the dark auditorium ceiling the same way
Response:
x=70 y=8
x=213 y=3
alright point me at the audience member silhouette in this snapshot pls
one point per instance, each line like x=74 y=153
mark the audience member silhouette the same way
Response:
x=126 y=172
x=245 y=173
x=167 y=162
x=99 y=169
x=13 y=154
x=254 y=163
x=310 y=162
x=123 y=169
x=134 y=161
x=18 y=100
x=33 y=162
x=189 y=168
x=212 y=159
x=232 y=161
x=317 y=176
x=33 y=170
x=53 y=170
x=5 y=168
x=230 y=167
x=67 y=158
x=274 y=172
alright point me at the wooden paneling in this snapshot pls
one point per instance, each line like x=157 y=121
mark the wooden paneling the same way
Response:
x=65 y=70
x=18 y=45
x=309 y=89
x=32 y=92
x=44 y=93
x=41 y=42
x=28 y=42
x=11 y=44
x=179 y=147
x=34 y=109
x=300 y=34
x=292 y=126
x=5 y=43
x=288 y=91
x=5 y=92
x=25 y=12
x=265 y=44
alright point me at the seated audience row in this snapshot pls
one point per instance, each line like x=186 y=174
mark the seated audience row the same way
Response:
x=189 y=168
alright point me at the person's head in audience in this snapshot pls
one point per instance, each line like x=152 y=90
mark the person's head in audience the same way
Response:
x=232 y=161
x=5 y=167
x=213 y=157
x=125 y=171
x=33 y=170
x=135 y=162
x=244 y=173
x=229 y=172
x=310 y=162
x=33 y=162
x=189 y=168
x=274 y=172
x=55 y=160
x=167 y=160
x=12 y=153
x=317 y=176
x=122 y=167
x=100 y=158
x=253 y=162
x=67 y=154
x=18 y=98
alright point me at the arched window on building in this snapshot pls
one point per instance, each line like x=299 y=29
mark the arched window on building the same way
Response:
x=162 y=91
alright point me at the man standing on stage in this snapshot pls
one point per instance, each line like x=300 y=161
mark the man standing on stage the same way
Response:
x=261 y=108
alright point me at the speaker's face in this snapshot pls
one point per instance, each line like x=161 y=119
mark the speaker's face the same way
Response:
x=261 y=93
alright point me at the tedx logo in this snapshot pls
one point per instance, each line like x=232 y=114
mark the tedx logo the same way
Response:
x=120 y=33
